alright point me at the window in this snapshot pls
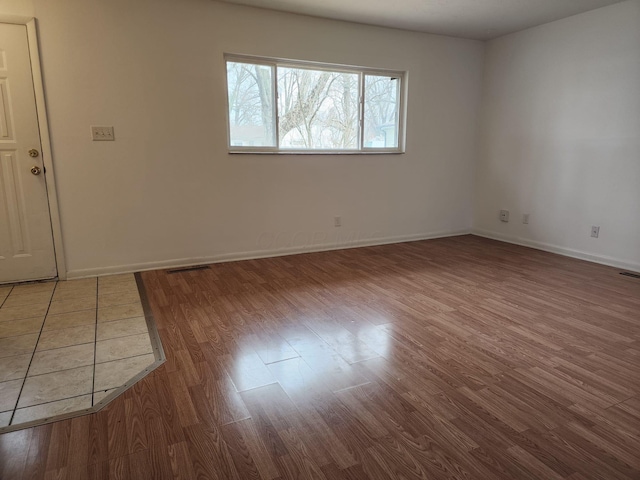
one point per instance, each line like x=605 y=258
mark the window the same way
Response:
x=295 y=107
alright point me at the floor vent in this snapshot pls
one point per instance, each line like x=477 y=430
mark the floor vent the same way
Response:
x=629 y=274
x=188 y=269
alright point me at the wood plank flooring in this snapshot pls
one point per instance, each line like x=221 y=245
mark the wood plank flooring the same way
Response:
x=451 y=358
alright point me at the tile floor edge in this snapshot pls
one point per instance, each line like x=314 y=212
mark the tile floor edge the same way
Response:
x=154 y=336
x=158 y=352
x=94 y=409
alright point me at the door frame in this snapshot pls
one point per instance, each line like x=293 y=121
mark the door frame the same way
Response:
x=45 y=140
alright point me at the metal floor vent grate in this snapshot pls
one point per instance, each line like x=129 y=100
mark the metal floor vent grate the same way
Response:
x=629 y=274
x=188 y=269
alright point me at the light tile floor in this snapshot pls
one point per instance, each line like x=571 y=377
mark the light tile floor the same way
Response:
x=65 y=346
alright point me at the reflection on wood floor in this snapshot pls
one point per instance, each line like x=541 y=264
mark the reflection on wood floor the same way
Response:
x=451 y=358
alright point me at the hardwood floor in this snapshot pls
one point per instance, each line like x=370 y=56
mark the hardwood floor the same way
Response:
x=451 y=358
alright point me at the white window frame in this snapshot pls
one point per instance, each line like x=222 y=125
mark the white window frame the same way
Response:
x=274 y=63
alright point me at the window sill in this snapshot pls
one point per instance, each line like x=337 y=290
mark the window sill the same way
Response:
x=315 y=152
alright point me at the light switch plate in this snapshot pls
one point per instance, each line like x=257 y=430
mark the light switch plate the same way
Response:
x=102 y=133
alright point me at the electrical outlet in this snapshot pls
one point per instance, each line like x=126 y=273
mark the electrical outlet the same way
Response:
x=102 y=134
x=504 y=215
x=525 y=218
x=337 y=221
x=595 y=231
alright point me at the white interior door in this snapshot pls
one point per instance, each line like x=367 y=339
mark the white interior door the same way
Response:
x=26 y=240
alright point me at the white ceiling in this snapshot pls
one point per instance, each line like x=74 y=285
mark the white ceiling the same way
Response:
x=480 y=19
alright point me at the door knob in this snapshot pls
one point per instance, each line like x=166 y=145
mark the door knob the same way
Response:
x=34 y=153
x=36 y=170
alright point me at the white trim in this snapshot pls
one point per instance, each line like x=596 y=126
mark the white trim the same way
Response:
x=15 y=19
x=275 y=110
x=45 y=146
x=311 y=65
x=283 y=151
x=567 y=252
x=251 y=255
x=361 y=111
x=403 y=95
x=275 y=63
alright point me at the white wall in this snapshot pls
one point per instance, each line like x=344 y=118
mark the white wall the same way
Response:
x=560 y=136
x=17 y=7
x=166 y=191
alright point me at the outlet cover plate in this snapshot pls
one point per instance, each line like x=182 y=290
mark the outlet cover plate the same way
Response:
x=102 y=134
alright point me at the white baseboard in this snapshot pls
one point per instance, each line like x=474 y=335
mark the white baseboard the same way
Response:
x=567 y=252
x=251 y=255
